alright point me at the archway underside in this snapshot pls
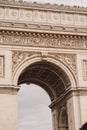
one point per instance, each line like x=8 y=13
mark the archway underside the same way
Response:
x=50 y=77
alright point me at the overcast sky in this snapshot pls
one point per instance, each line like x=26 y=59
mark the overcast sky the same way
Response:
x=34 y=113
x=33 y=101
x=66 y=2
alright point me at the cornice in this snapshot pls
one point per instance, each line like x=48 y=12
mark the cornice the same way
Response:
x=44 y=35
x=49 y=29
x=43 y=6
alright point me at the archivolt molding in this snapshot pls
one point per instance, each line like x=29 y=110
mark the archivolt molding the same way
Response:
x=44 y=40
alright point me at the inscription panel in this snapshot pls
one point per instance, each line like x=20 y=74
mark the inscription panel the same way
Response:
x=1 y=66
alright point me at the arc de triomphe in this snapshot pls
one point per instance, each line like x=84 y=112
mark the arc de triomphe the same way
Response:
x=47 y=45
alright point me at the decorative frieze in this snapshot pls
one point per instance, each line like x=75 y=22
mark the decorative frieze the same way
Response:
x=33 y=16
x=40 y=16
x=42 y=40
x=20 y=56
x=67 y=59
x=1 y=66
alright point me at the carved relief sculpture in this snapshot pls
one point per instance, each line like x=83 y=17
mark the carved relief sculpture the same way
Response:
x=20 y=56
x=42 y=40
x=67 y=59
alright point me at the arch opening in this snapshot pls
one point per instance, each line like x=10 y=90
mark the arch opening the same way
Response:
x=33 y=111
x=53 y=79
x=48 y=76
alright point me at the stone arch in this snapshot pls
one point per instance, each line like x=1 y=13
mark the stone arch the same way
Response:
x=50 y=62
x=36 y=58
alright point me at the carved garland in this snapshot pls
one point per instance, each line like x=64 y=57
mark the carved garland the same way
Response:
x=42 y=40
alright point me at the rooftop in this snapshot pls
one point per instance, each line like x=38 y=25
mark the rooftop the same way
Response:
x=45 y=6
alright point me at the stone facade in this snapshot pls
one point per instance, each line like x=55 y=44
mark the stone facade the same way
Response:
x=46 y=45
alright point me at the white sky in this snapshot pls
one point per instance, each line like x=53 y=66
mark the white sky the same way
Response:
x=34 y=113
x=65 y=2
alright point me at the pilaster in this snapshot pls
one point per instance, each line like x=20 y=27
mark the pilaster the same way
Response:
x=8 y=108
x=73 y=109
x=76 y=108
x=55 y=119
